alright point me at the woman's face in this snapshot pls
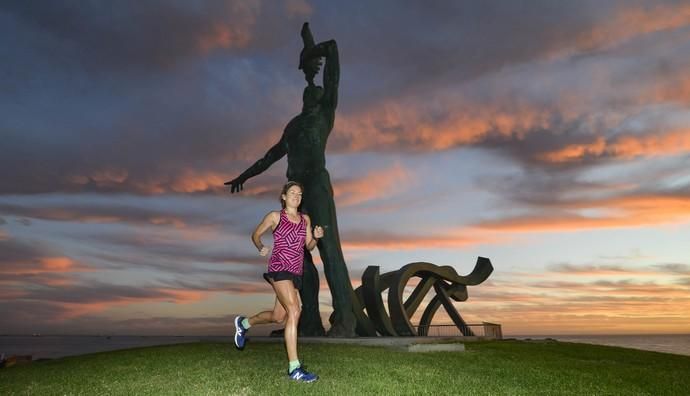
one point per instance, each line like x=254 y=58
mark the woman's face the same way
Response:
x=293 y=197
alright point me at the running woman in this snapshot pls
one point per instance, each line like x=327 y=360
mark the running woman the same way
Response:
x=291 y=233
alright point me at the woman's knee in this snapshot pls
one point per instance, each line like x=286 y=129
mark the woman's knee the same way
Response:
x=294 y=311
x=279 y=318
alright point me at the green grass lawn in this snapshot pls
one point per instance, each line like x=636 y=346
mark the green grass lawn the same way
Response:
x=499 y=367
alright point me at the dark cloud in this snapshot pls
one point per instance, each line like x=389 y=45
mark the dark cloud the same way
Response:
x=121 y=36
x=170 y=211
x=398 y=49
x=176 y=258
x=200 y=325
x=93 y=213
x=127 y=100
x=21 y=254
x=674 y=268
x=562 y=192
x=131 y=99
x=32 y=317
x=28 y=264
x=37 y=316
x=526 y=146
x=589 y=269
x=96 y=292
x=21 y=316
x=179 y=237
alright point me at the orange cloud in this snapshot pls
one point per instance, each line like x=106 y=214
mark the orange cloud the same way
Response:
x=44 y=265
x=670 y=88
x=668 y=143
x=576 y=151
x=618 y=212
x=158 y=220
x=191 y=181
x=393 y=124
x=451 y=240
x=182 y=296
x=69 y=310
x=295 y=8
x=598 y=270
x=630 y=22
x=64 y=214
x=72 y=310
x=9 y=292
x=551 y=306
x=376 y=184
x=234 y=33
x=57 y=264
x=224 y=36
x=186 y=181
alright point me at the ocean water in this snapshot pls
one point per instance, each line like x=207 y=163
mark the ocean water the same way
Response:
x=52 y=347
x=668 y=343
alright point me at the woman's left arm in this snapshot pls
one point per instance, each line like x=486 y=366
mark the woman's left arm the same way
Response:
x=312 y=238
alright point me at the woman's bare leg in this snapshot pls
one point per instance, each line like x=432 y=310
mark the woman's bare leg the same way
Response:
x=289 y=299
x=277 y=315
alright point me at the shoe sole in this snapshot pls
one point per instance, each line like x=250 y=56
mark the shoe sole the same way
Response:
x=237 y=333
x=303 y=381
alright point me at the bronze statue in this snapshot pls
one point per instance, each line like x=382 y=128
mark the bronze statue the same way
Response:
x=304 y=142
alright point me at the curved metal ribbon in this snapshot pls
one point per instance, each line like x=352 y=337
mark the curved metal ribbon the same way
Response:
x=446 y=283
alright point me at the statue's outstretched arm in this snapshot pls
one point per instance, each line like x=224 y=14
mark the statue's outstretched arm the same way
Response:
x=272 y=155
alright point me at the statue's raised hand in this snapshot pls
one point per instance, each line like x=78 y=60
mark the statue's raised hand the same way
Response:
x=236 y=185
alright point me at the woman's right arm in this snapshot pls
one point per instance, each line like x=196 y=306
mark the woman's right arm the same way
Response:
x=269 y=221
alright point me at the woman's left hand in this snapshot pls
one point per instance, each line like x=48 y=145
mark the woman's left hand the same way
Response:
x=318 y=232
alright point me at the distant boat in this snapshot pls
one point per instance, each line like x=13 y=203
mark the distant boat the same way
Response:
x=36 y=334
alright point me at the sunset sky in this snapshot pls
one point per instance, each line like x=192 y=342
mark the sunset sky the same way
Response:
x=552 y=137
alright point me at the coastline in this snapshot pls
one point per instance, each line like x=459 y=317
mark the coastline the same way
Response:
x=58 y=346
x=678 y=344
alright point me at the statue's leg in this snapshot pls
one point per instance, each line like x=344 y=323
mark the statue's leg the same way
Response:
x=310 y=321
x=319 y=194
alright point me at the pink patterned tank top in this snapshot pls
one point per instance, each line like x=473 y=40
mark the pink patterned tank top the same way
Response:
x=288 y=245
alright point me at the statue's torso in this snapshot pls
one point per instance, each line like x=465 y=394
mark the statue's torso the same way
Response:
x=305 y=140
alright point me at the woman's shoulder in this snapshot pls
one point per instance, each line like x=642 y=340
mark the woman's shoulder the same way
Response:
x=274 y=215
x=306 y=217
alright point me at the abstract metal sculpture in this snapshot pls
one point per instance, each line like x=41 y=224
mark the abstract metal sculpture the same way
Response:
x=446 y=283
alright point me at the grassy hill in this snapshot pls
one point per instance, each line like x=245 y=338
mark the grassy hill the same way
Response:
x=485 y=368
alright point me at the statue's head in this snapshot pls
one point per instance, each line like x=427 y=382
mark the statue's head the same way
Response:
x=311 y=96
x=311 y=69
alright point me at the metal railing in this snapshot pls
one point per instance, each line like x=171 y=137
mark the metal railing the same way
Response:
x=485 y=329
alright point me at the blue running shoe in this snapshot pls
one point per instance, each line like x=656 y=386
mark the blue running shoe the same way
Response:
x=240 y=332
x=300 y=375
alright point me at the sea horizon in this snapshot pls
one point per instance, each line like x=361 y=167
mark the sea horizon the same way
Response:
x=54 y=346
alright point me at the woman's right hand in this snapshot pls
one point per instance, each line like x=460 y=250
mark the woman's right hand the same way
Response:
x=263 y=251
